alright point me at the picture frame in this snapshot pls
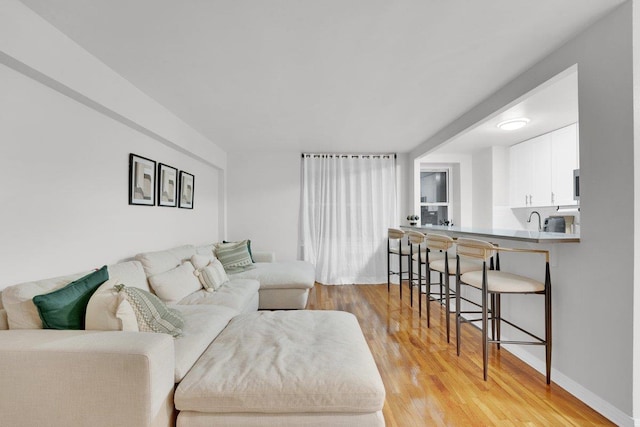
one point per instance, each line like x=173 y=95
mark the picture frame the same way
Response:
x=187 y=185
x=142 y=180
x=167 y=185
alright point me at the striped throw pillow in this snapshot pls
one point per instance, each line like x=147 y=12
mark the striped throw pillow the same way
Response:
x=234 y=256
x=151 y=313
x=212 y=276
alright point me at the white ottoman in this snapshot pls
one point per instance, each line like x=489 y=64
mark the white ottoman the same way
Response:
x=297 y=368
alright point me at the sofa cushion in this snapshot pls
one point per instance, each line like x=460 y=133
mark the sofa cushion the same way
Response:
x=22 y=313
x=285 y=362
x=65 y=308
x=175 y=284
x=161 y=261
x=4 y=320
x=248 y=247
x=237 y=294
x=151 y=313
x=234 y=256
x=202 y=260
x=130 y=273
x=209 y=271
x=280 y=275
x=17 y=300
x=212 y=276
x=206 y=249
x=108 y=311
x=202 y=323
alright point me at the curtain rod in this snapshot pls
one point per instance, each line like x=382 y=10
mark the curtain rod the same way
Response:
x=347 y=155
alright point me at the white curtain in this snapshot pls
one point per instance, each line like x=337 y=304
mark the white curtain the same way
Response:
x=348 y=202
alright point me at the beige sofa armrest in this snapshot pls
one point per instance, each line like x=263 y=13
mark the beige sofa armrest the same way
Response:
x=92 y=378
x=263 y=256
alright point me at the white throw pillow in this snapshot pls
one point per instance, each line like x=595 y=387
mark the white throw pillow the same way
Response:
x=212 y=276
x=201 y=261
x=175 y=284
x=107 y=311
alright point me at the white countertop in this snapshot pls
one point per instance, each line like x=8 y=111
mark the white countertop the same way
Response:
x=519 y=235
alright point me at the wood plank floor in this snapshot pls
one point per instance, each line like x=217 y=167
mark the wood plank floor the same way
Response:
x=428 y=384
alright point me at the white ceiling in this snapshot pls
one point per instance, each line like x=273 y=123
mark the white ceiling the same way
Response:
x=549 y=107
x=330 y=75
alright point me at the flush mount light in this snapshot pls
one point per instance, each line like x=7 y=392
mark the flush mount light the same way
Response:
x=513 y=124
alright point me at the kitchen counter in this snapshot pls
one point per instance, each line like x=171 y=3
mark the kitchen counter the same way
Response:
x=518 y=235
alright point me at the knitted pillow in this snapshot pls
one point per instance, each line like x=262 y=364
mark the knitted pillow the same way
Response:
x=152 y=314
x=234 y=256
x=212 y=276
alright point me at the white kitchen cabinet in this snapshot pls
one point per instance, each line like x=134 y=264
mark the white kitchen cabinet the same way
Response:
x=530 y=172
x=541 y=169
x=564 y=159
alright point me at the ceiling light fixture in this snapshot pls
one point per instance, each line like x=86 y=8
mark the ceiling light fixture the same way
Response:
x=513 y=124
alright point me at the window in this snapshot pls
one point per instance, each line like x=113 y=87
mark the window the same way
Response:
x=434 y=196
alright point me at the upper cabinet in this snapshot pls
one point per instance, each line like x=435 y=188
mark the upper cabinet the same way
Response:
x=541 y=169
x=564 y=159
x=530 y=172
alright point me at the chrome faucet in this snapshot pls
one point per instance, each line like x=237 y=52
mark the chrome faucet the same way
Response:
x=539 y=221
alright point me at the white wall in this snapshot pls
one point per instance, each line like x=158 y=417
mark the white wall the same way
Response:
x=636 y=207
x=263 y=199
x=263 y=196
x=482 y=188
x=64 y=160
x=404 y=177
x=593 y=336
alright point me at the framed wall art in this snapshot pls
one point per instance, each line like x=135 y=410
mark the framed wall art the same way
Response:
x=167 y=185
x=185 y=198
x=142 y=180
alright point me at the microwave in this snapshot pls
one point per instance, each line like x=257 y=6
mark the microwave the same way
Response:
x=576 y=184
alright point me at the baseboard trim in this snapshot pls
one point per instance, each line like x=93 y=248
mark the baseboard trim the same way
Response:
x=600 y=405
x=585 y=395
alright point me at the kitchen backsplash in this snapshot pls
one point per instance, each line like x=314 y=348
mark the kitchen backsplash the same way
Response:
x=516 y=218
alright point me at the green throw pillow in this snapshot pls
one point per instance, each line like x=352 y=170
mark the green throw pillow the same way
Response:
x=248 y=247
x=152 y=314
x=65 y=308
x=234 y=256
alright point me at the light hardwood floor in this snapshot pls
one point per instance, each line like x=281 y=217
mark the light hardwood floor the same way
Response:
x=428 y=384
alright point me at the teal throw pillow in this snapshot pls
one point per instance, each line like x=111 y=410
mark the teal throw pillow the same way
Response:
x=65 y=308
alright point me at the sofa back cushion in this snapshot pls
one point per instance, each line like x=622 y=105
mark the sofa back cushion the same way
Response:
x=163 y=261
x=175 y=284
x=22 y=313
x=17 y=300
x=206 y=249
x=130 y=273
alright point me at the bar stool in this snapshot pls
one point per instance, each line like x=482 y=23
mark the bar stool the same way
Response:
x=402 y=251
x=495 y=283
x=416 y=253
x=439 y=260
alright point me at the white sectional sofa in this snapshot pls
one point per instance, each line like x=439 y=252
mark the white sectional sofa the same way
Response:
x=232 y=365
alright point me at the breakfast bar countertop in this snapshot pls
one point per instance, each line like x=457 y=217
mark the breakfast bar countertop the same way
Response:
x=518 y=235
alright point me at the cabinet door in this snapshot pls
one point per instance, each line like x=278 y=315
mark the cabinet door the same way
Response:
x=540 y=165
x=564 y=159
